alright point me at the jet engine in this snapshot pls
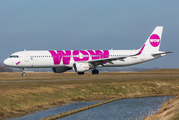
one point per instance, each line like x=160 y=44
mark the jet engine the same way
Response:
x=81 y=67
x=60 y=69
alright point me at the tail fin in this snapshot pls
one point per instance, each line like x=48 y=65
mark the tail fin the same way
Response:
x=154 y=40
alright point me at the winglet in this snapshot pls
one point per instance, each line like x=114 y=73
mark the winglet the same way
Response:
x=140 y=52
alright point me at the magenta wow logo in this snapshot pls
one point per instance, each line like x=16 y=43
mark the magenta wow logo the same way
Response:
x=78 y=55
x=154 y=40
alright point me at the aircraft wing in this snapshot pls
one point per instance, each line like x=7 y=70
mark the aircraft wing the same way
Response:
x=103 y=60
x=109 y=60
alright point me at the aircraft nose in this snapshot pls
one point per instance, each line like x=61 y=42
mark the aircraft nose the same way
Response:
x=6 y=62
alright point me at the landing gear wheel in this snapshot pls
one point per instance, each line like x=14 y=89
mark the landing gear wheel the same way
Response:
x=23 y=74
x=95 y=71
x=81 y=73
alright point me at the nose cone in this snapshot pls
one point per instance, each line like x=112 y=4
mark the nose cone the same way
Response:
x=7 y=62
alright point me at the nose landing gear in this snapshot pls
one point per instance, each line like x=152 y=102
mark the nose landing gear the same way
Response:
x=95 y=71
x=24 y=74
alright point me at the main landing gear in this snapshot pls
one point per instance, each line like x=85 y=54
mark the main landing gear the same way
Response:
x=81 y=73
x=95 y=71
x=24 y=74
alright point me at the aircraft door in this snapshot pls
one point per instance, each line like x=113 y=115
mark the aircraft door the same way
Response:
x=100 y=56
x=60 y=57
x=26 y=56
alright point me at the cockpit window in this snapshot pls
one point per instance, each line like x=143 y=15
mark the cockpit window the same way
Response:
x=14 y=56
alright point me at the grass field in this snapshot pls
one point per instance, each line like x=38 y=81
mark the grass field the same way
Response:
x=24 y=94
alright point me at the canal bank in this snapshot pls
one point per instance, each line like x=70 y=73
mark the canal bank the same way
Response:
x=120 y=109
x=64 y=114
x=168 y=111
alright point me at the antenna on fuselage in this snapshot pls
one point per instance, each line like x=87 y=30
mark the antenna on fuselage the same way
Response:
x=24 y=49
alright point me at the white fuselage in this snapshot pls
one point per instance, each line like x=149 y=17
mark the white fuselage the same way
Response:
x=44 y=59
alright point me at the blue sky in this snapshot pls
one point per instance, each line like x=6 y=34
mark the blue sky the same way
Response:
x=89 y=24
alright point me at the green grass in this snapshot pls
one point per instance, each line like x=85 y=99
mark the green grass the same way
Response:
x=29 y=96
x=176 y=117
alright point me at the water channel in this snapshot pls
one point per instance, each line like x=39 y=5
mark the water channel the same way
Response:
x=117 y=110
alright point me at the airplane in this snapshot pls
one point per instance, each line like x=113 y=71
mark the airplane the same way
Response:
x=83 y=60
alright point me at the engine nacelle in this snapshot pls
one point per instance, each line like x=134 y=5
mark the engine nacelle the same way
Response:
x=81 y=67
x=60 y=69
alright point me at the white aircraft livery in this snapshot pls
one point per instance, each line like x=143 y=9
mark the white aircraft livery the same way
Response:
x=83 y=60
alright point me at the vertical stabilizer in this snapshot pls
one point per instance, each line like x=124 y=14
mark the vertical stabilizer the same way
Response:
x=154 y=40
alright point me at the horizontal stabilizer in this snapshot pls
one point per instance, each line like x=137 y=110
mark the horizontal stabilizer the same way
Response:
x=160 y=53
